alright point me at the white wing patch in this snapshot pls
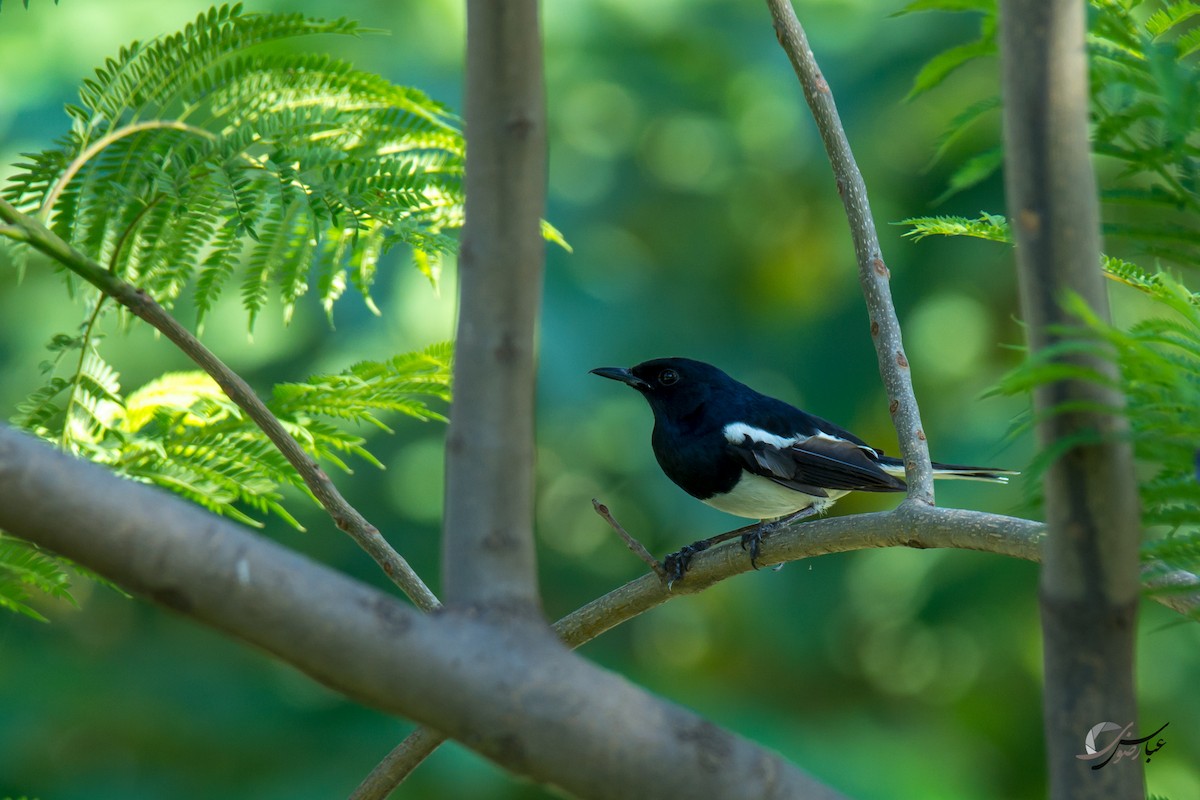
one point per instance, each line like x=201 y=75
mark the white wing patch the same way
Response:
x=738 y=432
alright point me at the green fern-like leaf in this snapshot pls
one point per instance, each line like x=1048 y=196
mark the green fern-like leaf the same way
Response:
x=1164 y=20
x=1145 y=116
x=962 y=122
x=946 y=63
x=370 y=388
x=1159 y=362
x=935 y=71
x=185 y=148
x=992 y=227
x=181 y=432
x=972 y=172
x=26 y=571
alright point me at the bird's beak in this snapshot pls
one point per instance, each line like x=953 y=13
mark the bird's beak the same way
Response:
x=623 y=375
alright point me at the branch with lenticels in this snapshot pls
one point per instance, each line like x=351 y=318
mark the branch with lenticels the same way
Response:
x=872 y=271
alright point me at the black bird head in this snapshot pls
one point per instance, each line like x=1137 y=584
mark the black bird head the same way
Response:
x=674 y=387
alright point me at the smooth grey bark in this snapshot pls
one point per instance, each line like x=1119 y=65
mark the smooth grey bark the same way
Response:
x=873 y=274
x=488 y=547
x=1090 y=573
x=500 y=683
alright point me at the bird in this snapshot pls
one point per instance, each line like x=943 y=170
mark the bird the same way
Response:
x=754 y=456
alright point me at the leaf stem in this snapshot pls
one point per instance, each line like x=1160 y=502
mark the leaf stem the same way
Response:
x=85 y=343
x=104 y=141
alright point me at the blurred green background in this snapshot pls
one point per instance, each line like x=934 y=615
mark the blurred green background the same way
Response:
x=686 y=174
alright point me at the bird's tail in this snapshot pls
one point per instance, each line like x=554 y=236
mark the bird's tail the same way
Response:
x=894 y=466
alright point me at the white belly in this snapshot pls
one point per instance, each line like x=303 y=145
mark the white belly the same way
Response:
x=757 y=497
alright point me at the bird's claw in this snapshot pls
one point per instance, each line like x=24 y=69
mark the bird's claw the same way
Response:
x=752 y=541
x=676 y=564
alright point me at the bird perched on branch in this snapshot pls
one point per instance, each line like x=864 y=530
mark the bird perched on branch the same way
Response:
x=754 y=456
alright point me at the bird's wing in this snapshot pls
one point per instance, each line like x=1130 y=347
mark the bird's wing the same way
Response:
x=810 y=464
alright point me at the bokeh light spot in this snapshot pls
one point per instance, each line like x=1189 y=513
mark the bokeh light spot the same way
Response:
x=416 y=480
x=948 y=334
x=597 y=118
x=675 y=635
x=688 y=152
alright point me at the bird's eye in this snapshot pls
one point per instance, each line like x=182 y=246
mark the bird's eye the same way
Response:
x=668 y=377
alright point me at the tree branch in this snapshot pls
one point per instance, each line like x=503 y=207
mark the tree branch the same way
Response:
x=635 y=547
x=488 y=551
x=131 y=534
x=510 y=691
x=398 y=764
x=909 y=525
x=912 y=525
x=873 y=274
x=1089 y=581
x=345 y=516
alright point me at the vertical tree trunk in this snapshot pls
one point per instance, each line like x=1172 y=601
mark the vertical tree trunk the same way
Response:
x=1089 y=580
x=488 y=543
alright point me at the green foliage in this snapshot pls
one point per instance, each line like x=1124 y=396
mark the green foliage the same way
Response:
x=25 y=569
x=992 y=227
x=181 y=432
x=946 y=63
x=1145 y=101
x=1159 y=364
x=193 y=154
x=210 y=161
x=939 y=69
x=1145 y=114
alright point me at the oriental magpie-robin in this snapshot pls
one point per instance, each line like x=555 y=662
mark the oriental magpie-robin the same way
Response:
x=754 y=456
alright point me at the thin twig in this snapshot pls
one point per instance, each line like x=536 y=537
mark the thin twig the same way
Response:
x=872 y=272
x=344 y=515
x=633 y=544
x=396 y=765
x=910 y=525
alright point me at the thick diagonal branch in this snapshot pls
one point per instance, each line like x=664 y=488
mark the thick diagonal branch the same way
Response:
x=344 y=515
x=872 y=271
x=510 y=691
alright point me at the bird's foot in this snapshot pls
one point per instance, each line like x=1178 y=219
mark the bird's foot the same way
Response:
x=676 y=564
x=752 y=540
